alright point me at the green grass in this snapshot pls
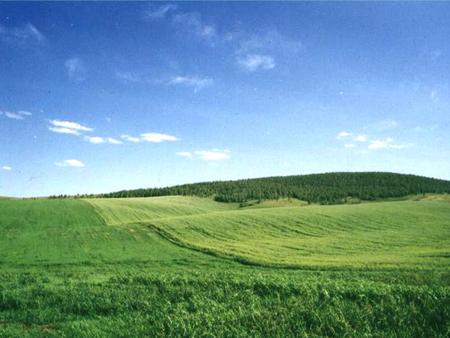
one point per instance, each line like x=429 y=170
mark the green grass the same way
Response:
x=49 y=232
x=171 y=266
x=119 y=211
x=410 y=234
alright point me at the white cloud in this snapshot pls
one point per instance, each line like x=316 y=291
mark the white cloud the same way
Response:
x=130 y=138
x=361 y=138
x=24 y=113
x=99 y=140
x=184 y=154
x=19 y=115
x=254 y=62
x=213 y=155
x=380 y=144
x=373 y=144
x=67 y=127
x=259 y=51
x=113 y=140
x=7 y=168
x=63 y=130
x=75 y=69
x=27 y=34
x=387 y=143
x=95 y=139
x=14 y=116
x=343 y=134
x=191 y=81
x=149 y=137
x=160 y=12
x=70 y=163
x=157 y=137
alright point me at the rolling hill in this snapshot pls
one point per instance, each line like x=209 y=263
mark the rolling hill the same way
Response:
x=328 y=188
x=402 y=233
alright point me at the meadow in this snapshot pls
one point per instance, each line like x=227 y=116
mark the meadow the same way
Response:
x=191 y=266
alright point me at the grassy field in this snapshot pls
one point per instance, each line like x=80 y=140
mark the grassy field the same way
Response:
x=410 y=234
x=172 y=266
x=60 y=232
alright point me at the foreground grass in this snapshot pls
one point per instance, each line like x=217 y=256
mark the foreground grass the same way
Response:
x=72 y=268
x=194 y=303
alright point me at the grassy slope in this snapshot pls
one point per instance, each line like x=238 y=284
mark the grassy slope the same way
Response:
x=403 y=233
x=128 y=210
x=36 y=232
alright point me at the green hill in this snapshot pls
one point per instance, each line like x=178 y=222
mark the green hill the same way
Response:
x=329 y=188
x=383 y=234
x=47 y=232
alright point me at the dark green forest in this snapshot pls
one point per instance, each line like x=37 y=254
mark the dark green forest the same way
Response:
x=328 y=188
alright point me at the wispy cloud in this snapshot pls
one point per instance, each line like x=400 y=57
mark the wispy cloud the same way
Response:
x=70 y=163
x=23 y=35
x=160 y=12
x=130 y=138
x=271 y=41
x=19 y=115
x=192 y=22
x=75 y=128
x=75 y=69
x=149 y=137
x=113 y=140
x=343 y=134
x=259 y=51
x=67 y=127
x=361 y=138
x=63 y=130
x=187 y=154
x=99 y=140
x=188 y=22
x=6 y=168
x=387 y=143
x=95 y=139
x=254 y=62
x=213 y=155
x=70 y=125
x=191 y=81
x=158 y=138
x=207 y=155
x=372 y=143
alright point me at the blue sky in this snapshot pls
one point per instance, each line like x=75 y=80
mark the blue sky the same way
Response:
x=97 y=97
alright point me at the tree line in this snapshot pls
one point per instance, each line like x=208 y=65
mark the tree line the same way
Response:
x=329 y=188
